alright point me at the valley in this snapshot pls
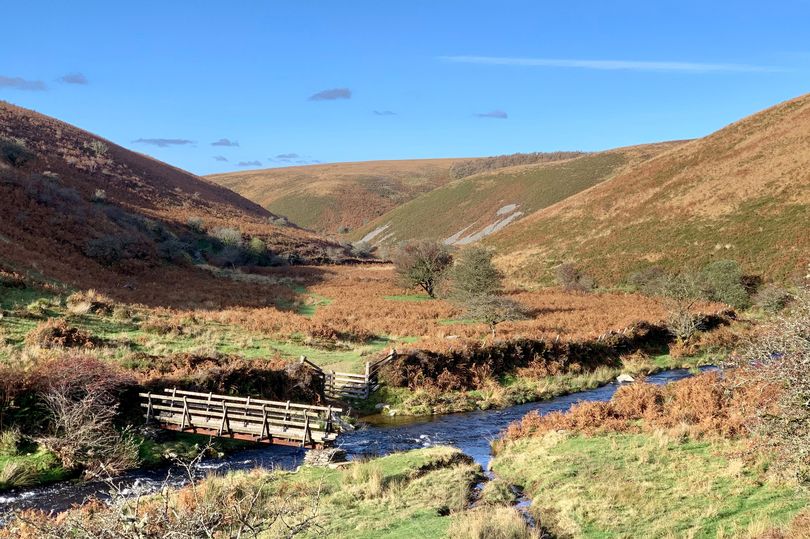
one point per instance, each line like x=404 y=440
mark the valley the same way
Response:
x=503 y=291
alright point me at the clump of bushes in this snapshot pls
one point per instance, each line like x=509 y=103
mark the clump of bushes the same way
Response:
x=475 y=166
x=772 y=298
x=89 y=301
x=705 y=404
x=573 y=279
x=56 y=333
x=14 y=151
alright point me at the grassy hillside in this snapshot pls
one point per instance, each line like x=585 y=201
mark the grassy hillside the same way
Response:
x=470 y=208
x=81 y=210
x=331 y=196
x=741 y=193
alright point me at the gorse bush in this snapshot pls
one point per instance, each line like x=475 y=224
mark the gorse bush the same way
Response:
x=723 y=281
x=474 y=275
x=14 y=151
x=228 y=236
x=572 y=279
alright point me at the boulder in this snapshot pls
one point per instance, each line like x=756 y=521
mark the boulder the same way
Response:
x=324 y=457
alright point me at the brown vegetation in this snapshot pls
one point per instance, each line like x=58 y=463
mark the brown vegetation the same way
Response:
x=704 y=405
x=55 y=222
x=338 y=196
x=742 y=192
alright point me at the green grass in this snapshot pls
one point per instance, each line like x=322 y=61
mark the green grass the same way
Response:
x=28 y=469
x=646 y=485
x=402 y=495
x=408 y=297
x=183 y=446
x=122 y=338
x=475 y=200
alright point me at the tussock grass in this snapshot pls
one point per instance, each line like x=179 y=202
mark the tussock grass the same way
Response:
x=402 y=495
x=490 y=523
x=647 y=485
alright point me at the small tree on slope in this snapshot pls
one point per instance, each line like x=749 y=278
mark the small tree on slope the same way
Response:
x=422 y=263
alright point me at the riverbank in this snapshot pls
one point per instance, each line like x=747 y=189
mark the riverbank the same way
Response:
x=470 y=432
x=419 y=493
x=513 y=389
x=654 y=462
x=24 y=464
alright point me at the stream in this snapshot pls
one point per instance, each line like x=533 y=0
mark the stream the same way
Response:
x=471 y=432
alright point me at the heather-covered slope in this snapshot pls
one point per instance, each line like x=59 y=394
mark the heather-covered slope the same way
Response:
x=79 y=209
x=471 y=208
x=741 y=193
x=332 y=197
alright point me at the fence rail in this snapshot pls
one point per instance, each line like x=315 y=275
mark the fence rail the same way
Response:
x=246 y=418
x=347 y=385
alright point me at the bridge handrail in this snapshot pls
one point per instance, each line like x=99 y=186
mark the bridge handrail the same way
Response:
x=238 y=405
x=219 y=398
x=217 y=414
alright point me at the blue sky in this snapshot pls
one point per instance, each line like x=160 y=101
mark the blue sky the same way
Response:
x=303 y=79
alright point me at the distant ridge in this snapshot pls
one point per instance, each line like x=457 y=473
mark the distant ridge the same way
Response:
x=741 y=193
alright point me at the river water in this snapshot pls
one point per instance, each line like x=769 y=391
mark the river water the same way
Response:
x=471 y=432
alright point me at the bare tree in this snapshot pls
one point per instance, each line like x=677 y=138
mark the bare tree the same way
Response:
x=493 y=310
x=422 y=263
x=681 y=293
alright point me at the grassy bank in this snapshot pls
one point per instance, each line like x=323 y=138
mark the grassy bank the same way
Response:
x=25 y=464
x=29 y=469
x=512 y=389
x=420 y=493
x=647 y=485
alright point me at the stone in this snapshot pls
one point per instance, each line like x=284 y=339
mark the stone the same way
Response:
x=625 y=378
x=324 y=457
x=379 y=406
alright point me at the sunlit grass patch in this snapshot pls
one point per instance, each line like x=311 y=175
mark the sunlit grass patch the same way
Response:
x=646 y=485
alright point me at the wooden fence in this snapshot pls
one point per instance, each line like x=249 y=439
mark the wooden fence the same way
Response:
x=245 y=418
x=345 y=385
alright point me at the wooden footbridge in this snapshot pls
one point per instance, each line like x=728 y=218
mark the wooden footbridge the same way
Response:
x=245 y=418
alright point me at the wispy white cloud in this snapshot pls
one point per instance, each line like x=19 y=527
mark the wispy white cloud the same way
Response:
x=613 y=65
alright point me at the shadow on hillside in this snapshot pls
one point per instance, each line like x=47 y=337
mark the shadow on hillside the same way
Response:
x=540 y=311
x=193 y=288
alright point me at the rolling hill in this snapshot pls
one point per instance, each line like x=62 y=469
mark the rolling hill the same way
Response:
x=471 y=208
x=81 y=210
x=740 y=193
x=327 y=198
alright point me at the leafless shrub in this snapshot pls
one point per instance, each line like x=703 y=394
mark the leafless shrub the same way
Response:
x=234 y=506
x=681 y=293
x=781 y=355
x=572 y=279
x=772 y=298
x=228 y=236
x=83 y=436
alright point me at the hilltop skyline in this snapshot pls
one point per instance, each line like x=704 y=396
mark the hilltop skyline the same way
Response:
x=278 y=85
